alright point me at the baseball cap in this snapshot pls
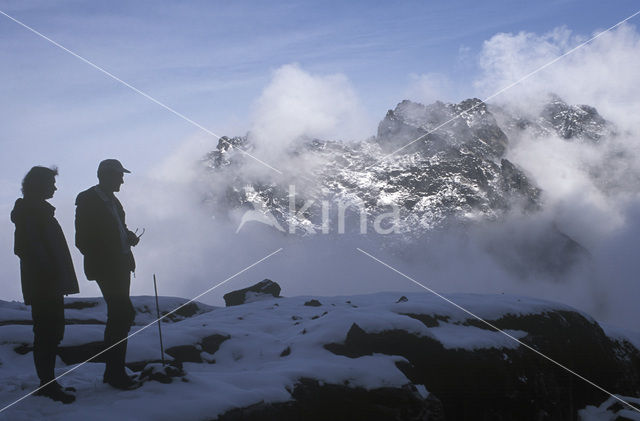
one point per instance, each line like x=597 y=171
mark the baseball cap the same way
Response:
x=111 y=165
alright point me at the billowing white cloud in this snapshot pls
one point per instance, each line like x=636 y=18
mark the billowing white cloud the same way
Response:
x=603 y=73
x=427 y=88
x=297 y=103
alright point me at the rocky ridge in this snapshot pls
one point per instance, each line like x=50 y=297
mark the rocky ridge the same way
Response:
x=439 y=164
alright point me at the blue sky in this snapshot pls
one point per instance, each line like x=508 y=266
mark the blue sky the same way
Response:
x=211 y=60
x=214 y=61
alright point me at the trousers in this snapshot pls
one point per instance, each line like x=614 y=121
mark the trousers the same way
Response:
x=48 y=331
x=120 y=316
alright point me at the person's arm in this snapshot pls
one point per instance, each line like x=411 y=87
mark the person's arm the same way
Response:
x=36 y=261
x=31 y=241
x=85 y=226
x=131 y=236
x=81 y=224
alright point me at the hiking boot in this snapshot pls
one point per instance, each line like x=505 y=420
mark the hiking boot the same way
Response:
x=122 y=382
x=54 y=391
x=66 y=388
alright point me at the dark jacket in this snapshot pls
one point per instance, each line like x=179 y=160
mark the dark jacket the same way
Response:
x=98 y=236
x=46 y=268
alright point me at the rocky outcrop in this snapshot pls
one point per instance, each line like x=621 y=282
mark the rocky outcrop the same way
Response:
x=581 y=123
x=193 y=352
x=510 y=383
x=265 y=289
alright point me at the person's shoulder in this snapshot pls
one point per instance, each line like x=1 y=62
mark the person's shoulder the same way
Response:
x=85 y=196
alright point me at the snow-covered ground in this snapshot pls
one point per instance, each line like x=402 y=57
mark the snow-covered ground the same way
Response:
x=272 y=344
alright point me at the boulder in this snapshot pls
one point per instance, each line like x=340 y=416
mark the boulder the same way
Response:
x=162 y=373
x=266 y=289
x=313 y=303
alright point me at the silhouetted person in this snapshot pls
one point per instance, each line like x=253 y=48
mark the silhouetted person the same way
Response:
x=46 y=271
x=104 y=240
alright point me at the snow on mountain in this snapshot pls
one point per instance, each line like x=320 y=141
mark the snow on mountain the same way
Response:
x=580 y=123
x=457 y=171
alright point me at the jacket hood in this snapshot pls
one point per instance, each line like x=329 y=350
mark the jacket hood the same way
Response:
x=35 y=208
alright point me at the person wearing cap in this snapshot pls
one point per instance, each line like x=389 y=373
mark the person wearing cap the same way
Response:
x=46 y=272
x=105 y=241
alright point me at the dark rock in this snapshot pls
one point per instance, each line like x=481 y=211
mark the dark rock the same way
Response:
x=318 y=316
x=212 y=343
x=185 y=353
x=312 y=401
x=261 y=290
x=188 y=310
x=23 y=349
x=163 y=374
x=191 y=353
x=510 y=383
x=402 y=299
x=287 y=351
x=15 y=322
x=79 y=305
x=77 y=354
x=66 y=321
x=138 y=366
x=429 y=320
x=85 y=322
x=180 y=312
x=313 y=303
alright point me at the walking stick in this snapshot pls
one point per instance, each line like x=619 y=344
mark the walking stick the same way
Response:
x=155 y=287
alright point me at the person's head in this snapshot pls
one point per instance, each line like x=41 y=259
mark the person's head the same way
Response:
x=111 y=175
x=39 y=183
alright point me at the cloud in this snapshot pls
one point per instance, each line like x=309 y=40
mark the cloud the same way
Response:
x=427 y=88
x=297 y=103
x=603 y=73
